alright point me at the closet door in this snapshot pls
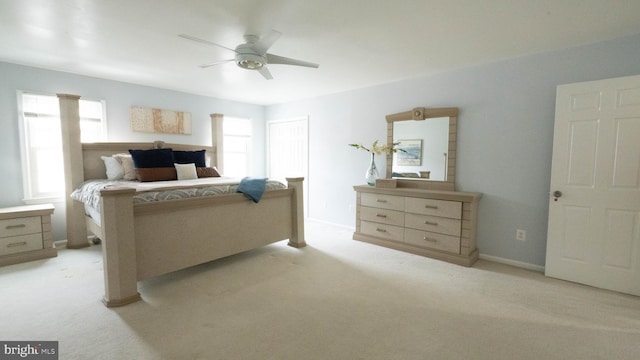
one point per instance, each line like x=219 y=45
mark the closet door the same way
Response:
x=288 y=151
x=594 y=209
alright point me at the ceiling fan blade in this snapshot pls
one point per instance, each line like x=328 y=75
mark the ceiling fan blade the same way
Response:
x=267 y=41
x=275 y=59
x=203 y=41
x=204 y=66
x=265 y=73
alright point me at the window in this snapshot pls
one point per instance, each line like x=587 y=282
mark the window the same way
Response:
x=237 y=146
x=41 y=142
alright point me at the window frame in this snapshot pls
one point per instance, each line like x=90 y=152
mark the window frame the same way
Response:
x=30 y=193
x=246 y=137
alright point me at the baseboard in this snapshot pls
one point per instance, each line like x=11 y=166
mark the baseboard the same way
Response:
x=351 y=228
x=60 y=244
x=520 y=264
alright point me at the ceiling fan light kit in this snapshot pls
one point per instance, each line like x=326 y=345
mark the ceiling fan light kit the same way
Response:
x=253 y=55
x=250 y=61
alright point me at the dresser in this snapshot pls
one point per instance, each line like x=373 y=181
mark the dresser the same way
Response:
x=433 y=223
x=25 y=234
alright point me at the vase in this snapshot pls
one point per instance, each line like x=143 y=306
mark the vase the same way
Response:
x=372 y=172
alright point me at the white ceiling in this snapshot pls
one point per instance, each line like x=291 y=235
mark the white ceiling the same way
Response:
x=358 y=43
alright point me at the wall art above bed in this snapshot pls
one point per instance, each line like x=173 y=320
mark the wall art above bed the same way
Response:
x=153 y=120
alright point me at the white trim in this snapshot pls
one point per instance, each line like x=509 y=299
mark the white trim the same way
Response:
x=104 y=135
x=29 y=173
x=247 y=137
x=318 y=221
x=26 y=185
x=60 y=244
x=520 y=264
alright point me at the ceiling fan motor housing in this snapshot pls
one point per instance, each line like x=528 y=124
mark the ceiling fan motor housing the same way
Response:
x=248 y=58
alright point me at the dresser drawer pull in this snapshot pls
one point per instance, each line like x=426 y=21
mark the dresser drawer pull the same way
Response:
x=381 y=230
x=21 y=243
x=381 y=200
x=429 y=239
x=431 y=207
x=8 y=227
x=381 y=215
x=431 y=223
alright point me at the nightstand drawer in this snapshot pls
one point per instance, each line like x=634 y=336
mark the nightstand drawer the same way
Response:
x=384 y=216
x=443 y=208
x=431 y=240
x=20 y=226
x=20 y=243
x=382 y=201
x=389 y=232
x=436 y=224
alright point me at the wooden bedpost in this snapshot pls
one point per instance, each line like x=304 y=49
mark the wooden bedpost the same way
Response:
x=73 y=169
x=118 y=247
x=217 y=138
x=297 y=222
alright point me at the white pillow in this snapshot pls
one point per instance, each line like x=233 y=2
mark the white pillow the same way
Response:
x=115 y=171
x=127 y=164
x=186 y=171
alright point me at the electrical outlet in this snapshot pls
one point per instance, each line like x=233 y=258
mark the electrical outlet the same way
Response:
x=521 y=235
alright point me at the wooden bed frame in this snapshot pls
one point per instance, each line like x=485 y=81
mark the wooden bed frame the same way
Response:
x=140 y=241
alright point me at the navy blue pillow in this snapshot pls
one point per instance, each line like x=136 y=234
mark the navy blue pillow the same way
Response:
x=152 y=158
x=190 y=157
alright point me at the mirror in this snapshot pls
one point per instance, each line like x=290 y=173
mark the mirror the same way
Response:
x=428 y=137
x=423 y=149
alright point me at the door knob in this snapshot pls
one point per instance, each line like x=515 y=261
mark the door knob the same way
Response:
x=557 y=193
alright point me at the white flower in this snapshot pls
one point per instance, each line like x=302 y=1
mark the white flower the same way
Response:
x=378 y=149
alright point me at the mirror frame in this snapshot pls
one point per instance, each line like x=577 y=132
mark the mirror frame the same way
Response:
x=421 y=114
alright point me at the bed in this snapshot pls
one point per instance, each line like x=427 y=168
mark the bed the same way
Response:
x=146 y=239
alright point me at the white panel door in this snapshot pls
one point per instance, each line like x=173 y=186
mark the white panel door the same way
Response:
x=287 y=144
x=594 y=220
x=288 y=151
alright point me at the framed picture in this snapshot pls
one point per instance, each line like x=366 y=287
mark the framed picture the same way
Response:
x=163 y=121
x=409 y=152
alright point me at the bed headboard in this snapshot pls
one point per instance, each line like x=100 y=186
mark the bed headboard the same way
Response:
x=83 y=162
x=93 y=166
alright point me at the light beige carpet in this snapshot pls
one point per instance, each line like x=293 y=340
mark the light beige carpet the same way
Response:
x=335 y=299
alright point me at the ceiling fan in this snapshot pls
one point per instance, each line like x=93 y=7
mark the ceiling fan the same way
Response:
x=253 y=55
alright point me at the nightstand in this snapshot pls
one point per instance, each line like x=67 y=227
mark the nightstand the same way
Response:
x=25 y=234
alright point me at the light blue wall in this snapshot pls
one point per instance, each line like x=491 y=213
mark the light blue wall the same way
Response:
x=505 y=137
x=119 y=98
x=505 y=132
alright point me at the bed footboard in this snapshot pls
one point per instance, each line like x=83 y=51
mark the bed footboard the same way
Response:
x=145 y=240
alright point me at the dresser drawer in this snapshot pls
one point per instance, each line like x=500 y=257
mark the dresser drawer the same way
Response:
x=443 y=208
x=436 y=224
x=431 y=240
x=385 y=231
x=382 y=201
x=20 y=226
x=20 y=243
x=384 y=216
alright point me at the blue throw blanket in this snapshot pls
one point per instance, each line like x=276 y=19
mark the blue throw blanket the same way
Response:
x=253 y=188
